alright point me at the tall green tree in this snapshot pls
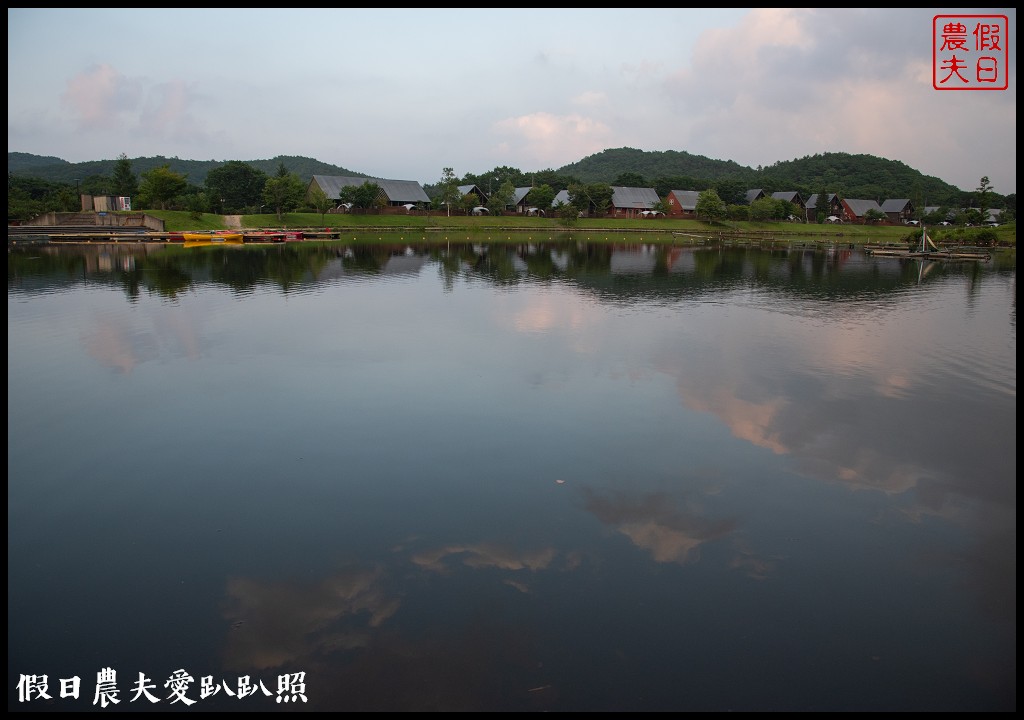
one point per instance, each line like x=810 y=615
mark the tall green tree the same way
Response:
x=361 y=196
x=449 y=189
x=737 y=212
x=467 y=202
x=490 y=182
x=320 y=202
x=761 y=210
x=600 y=197
x=197 y=204
x=501 y=198
x=790 y=210
x=541 y=197
x=506 y=174
x=568 y=214
x=160 y=186
x=591 y=198
x=578 y=197
x=984 y=192
x=123 y=180
x=237 y=185
x=21 y=205
x=710 y=206
x=283 y=193
x=29 y=197
x=971 y=216
x=821 y=208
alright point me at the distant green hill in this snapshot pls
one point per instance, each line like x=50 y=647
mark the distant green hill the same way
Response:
x=851 y=176
x=57 y=170
x=606 y=165
x=25 y=164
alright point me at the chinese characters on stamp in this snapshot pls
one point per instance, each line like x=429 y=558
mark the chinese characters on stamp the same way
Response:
x=970 y=52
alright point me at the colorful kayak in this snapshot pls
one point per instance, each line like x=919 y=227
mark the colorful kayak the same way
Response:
x=198 y=239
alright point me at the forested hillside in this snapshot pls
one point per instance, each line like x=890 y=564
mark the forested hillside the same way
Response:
x=860 y=176
x=57 y=170
x=605 y=166
x=851 y=176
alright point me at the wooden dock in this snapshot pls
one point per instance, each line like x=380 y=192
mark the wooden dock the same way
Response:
x=58 y=234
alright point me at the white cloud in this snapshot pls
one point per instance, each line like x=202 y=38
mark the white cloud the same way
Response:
x=101 y=98
x=547 y=140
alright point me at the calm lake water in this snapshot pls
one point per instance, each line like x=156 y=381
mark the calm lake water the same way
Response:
x=535 y=477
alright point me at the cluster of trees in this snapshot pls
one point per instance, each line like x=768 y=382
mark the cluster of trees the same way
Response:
x=729 y=189
x=583 y=199
x=234 y=187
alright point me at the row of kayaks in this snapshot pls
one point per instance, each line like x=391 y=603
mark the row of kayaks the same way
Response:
x=216 y=237
x=198 y=239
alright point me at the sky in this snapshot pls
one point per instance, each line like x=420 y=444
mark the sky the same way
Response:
x=402 y=94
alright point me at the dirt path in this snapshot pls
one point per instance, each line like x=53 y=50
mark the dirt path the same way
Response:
x=233 y=221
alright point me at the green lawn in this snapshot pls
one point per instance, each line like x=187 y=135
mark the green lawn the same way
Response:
x=485 y=228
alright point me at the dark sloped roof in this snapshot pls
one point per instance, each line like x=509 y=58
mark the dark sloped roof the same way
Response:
x=754 y=194
x=895 y=205
x=562 y=198
x=520 y=193
x=812 y=201
x=404 y=191
x=638 y=198
x=789 y=196
x=859 y=207
x=687 y=199
x=398 y=191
